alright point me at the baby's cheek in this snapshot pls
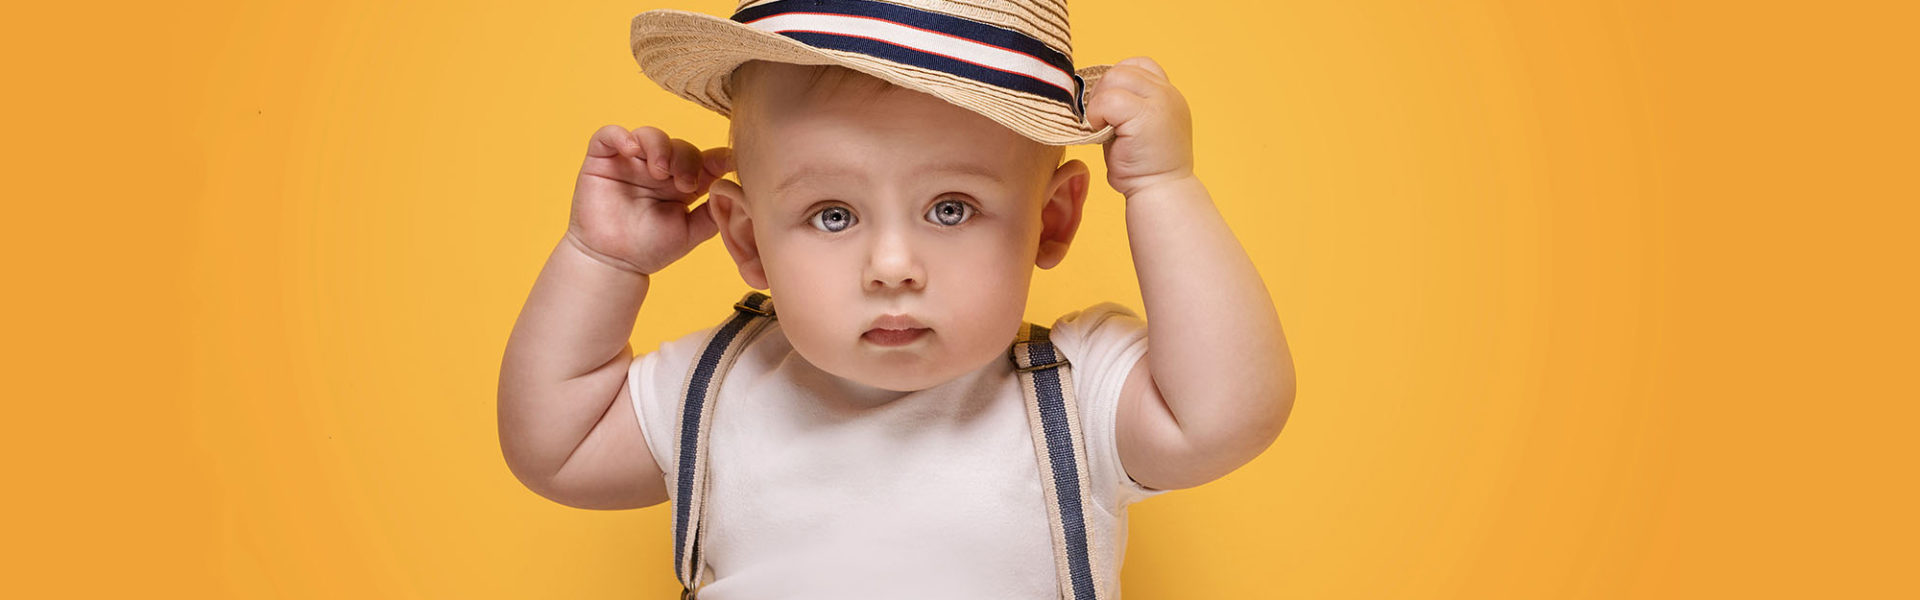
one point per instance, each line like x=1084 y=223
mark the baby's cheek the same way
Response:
x=992 y=295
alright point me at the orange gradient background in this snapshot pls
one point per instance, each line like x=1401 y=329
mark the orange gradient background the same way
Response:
x=1589 y=299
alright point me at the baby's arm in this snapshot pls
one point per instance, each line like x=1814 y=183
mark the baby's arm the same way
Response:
x=1216 y=384
x=566 y=424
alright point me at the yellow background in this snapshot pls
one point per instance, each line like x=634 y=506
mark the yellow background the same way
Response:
x=1595 y=299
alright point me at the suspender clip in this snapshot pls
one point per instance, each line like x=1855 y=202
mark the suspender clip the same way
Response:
x=1030 y=336
x=756 y=303
x=1019 y=369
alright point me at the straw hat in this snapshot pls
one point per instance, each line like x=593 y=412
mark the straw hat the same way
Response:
x=1009 y=60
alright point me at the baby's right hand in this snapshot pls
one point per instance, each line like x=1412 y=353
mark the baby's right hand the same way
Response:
x=630 y=204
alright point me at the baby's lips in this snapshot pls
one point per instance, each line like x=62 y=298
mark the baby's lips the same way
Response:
x=896 y=322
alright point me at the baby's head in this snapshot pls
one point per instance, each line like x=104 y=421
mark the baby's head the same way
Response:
x=867 y=209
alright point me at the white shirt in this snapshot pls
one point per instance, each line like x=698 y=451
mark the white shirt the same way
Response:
x=933 y=495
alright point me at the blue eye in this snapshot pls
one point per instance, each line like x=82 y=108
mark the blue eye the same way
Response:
x=949 y=213
x=832 y=219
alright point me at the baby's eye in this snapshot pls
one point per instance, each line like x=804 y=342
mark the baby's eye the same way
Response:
x=833 y=219
x=949 y=213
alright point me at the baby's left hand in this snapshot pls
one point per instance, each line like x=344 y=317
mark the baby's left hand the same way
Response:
x=1153 y=131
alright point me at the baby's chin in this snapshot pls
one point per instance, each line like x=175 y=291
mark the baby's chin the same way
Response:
x=894 y=382
x=906 y=377
x=899 y=370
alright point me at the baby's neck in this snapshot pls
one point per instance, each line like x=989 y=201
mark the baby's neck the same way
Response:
x=856 y=394
x=860 y=396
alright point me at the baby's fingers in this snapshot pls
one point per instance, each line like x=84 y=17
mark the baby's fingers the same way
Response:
x=1141 y=82
x=611 y=141
x=717 y=162
x=656 y=151
x=1115 y=106
x=714 y=164
x=700 y=223
x=1147 y=64
x=685 y=166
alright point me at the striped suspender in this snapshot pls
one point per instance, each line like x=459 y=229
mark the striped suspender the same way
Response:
x=689 y=489
x=1045 y=380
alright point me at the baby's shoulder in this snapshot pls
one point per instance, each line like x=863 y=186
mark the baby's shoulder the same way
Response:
x=1101 y=331
x=658 y=380
x=753 y=346
x=1097 y=315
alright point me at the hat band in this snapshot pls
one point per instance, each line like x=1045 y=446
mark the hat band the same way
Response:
x=960 y=47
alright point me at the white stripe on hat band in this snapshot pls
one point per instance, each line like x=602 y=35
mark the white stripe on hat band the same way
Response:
x=992 y=57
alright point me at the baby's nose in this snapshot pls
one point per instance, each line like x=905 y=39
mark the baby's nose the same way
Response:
x=894 y=264
x=878 y=284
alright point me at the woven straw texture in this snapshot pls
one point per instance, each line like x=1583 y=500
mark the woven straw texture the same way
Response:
x=692 y=54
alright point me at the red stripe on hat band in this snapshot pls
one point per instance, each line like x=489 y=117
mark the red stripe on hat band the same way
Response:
x=957 y=48
x=938 y=33
x=893 y=43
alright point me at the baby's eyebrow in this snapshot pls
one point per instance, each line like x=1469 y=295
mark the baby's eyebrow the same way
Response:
x=813 y=171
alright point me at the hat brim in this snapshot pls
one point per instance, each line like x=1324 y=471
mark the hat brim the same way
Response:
x=691 y=55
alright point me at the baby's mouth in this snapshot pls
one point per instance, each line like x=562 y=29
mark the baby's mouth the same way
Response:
x=895 y=330
x=894 y=337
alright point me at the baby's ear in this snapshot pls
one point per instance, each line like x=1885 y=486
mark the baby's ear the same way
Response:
x=736 y=230
x=1060 y=216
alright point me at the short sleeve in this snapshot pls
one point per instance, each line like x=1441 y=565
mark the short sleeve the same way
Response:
x=654 y=380
x=1102 y=343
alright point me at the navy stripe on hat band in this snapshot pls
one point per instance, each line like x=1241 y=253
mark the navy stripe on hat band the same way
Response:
x=961 y=47
x=937 y=62
x=992 y=35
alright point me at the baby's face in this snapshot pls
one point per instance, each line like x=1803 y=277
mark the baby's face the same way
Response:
x=897 y=233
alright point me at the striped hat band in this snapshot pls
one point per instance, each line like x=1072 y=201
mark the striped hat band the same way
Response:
x=1009 y=60
x=985 y=53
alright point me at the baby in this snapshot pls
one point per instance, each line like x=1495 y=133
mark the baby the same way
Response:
x=863 y=432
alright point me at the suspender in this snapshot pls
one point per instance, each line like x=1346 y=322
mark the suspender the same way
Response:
x=1046 y=380
x=689 y=489
x=1054 y=418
